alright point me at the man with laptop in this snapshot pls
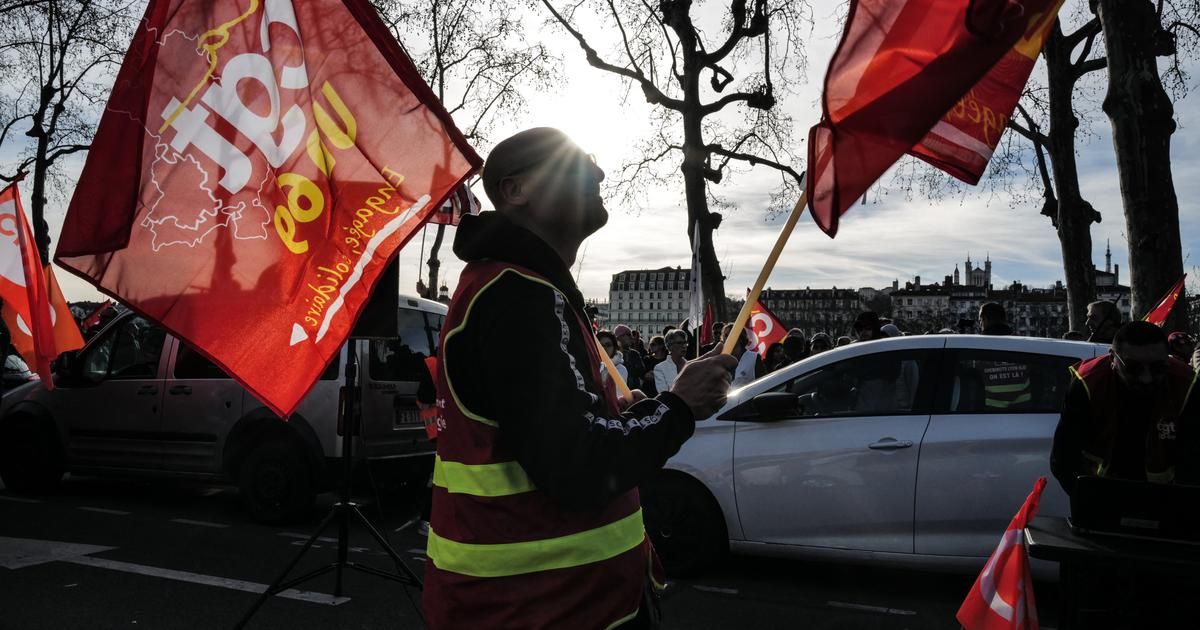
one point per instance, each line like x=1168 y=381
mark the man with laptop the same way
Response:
x=1124 y=451
x=1127 y=414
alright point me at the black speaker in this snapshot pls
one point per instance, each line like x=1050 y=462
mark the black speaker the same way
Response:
x=379 y=319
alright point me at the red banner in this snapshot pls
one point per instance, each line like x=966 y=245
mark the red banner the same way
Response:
x=900 y=67
x=962 y=142
x=1158 y=315
x=257 y=165
x=1002 y=597
x=35 y=313
x=765 y=329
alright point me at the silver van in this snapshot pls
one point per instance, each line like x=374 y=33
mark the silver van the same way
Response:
x=136 y=400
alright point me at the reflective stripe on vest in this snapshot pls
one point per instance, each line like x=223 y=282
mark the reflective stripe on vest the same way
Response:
x=1003 y=396
x=502 y=560
x=481 y=480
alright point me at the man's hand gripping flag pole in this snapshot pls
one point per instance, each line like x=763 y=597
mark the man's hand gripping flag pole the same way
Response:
x=784 y=234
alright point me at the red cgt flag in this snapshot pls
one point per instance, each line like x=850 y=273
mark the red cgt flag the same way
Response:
x=1158 y=315
x=1002 y=597
x=257 y=165
x=900 y=68
x=35 y=312
x=765 y=329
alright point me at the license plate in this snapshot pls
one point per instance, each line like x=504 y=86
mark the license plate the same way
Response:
x=407 y=417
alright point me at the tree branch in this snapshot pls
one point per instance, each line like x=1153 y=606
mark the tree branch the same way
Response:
x=757 y=100
x=651 y=91
x=754 y=160
x=67 y=149
x=1091 y=65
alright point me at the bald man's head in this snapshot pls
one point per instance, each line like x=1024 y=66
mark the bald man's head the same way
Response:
x=521 y=152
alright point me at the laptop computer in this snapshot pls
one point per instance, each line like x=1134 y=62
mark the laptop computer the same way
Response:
x=1136 y=509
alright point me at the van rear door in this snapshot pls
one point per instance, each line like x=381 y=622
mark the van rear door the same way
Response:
x=395 y=376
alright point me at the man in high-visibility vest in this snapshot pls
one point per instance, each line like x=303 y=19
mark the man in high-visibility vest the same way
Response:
x=1005 y=384
x=536 y=517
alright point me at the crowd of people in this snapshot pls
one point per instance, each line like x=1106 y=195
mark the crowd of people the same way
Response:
x=652 y=366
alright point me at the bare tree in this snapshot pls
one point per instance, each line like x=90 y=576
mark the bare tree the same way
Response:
x=57 y=61
x=476 y=57
x=1068 y=59
x=716 y=88
x=1136 y=33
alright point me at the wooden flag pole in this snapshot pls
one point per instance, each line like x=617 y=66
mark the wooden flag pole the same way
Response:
x=752 y=299
x=622 y=388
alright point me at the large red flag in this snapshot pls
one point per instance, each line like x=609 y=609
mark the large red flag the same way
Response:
x=38 y=319
x=1002 y=597
x=258 y=163
x=765 y=329
x=1158 y=315
x=900 y=67
x=962 y=142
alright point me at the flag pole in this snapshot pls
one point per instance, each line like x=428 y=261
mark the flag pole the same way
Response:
x=740 y=323
x=622 y=388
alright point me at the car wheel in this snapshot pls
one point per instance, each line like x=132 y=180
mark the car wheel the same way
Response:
x=31 y=455
x=684 y=523
x=276 y=481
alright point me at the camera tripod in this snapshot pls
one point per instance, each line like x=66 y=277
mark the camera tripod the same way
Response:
x=343 y=513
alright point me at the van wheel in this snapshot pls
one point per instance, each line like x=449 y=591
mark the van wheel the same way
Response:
x=275 y=481
x=31 y=455
x=685 y=525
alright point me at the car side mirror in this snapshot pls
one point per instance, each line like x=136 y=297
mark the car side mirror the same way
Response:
x=67 y=370
x=767 y=407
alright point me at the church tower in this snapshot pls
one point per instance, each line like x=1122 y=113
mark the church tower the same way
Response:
x=987 y=271
x=1107 y=257
x=956 y=282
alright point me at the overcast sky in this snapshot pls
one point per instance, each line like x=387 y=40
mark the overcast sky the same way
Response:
x=890 y=237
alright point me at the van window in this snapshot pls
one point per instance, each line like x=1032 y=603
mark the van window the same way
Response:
x=403 y=358
x=192 y=364
x=130 y=351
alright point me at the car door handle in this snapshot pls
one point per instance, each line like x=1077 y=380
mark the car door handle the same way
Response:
x=147 y=390
x=185 y=390
x=889 y=444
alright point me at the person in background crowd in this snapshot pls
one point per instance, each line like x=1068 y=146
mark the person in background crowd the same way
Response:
x=536 y=515
x=667 y=370
x=1074 y=335
x=1103 y=320
x=820 y=343
x=890 y=330
x=639 y=345
x=1182 y=346
x=794 y=348
x=716 y=336
x=666 y=329
x=776 y=357
x=795 y=332
x=844 y=341
x=799 y=334
x=993 y=320
x=608 y=341
x=656 y=354
x=866 y=326
x=750 y=365
x=946 y=331
x=634 y=364
x=1125 y=413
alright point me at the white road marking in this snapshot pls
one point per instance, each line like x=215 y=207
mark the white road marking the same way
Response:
x=305 y=537
x=419 y=552
x=715 y=589
x=18 y=553
x=206 y=580
x=5 y=497
x=875 y=609
x=188 y=521
x=103 y=510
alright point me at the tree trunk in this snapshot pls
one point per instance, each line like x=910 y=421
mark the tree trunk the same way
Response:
x=1142 y=121
x=434 y=264
x=37 y=205
x=701 y=222
x=1074 y=214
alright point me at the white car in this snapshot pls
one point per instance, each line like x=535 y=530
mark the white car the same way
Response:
x=914 y=451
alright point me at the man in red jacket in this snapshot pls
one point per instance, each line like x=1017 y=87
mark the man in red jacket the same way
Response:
x=536 y=517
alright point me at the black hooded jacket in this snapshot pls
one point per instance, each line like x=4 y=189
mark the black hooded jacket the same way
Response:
x=522 y=360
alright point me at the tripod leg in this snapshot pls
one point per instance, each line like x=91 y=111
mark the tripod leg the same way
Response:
x=416 y=581
x=343 y=543
x=274 y=586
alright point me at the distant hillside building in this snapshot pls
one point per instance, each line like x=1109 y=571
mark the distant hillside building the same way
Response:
x=815 y=310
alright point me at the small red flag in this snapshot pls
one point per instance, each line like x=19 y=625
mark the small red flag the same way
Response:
x=900 y=68
x=1158 y=315
x=706 y=326
x=765 y=329
x=1002 y=597
x=94 y=318
x=256 y=167
x=461 y=202
x=35 y=312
